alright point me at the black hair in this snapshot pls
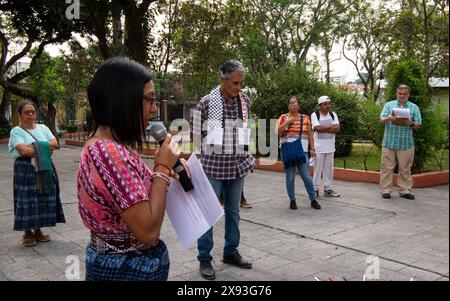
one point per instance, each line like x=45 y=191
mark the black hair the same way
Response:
x=24 y=103
x=115 y=96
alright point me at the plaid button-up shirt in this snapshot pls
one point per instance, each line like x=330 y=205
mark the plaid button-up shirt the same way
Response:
x=231 y=162
x=395 y=136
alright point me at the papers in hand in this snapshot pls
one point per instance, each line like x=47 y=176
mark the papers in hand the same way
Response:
x=194 y=212
x=401 y=113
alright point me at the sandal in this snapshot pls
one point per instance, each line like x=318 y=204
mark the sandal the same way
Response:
x=29 y=240
x=41 y=237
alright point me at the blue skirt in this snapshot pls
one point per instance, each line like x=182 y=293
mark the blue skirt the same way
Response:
x=33 y=210
x=151 y=265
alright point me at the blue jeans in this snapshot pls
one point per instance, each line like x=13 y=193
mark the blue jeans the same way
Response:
x=232 y=190
x=306 y=177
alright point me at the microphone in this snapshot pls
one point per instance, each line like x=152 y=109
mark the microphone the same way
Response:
x=159 y=132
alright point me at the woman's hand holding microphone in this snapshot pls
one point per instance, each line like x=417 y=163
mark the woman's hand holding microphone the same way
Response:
x=166 y=157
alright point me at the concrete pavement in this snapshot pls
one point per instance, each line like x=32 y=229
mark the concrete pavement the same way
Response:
x=410 y=238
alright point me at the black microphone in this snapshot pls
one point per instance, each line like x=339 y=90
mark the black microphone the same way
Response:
x=159 y=132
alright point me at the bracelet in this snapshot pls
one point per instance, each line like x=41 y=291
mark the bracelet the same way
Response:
x=163 y=165
x=162 y=176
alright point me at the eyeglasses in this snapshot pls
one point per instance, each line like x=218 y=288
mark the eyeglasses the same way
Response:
x=151 y=98
x=29 y=112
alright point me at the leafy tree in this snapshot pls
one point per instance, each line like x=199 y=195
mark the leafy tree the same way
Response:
x=421 y=31
x=438 y=124
x=161 y=52
x=45 y=82
x=204 y=37
x=80 y=65
x=282 y=30
x=122 y=27
x=369 y=36
x=29 y=23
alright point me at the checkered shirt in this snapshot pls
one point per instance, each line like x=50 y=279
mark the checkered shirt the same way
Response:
x=399 y=137
x=232 y=162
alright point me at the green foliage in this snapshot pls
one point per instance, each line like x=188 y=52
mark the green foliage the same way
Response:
x=275 y=89
x=46 y=78
x=4 y=132
x=80 y=65
x=40 y=19
x=368 y=157
x=275 y=31
x=369 y=34
x=204 y=37
x=421 y=31
x=411 y=73
x=369 y=120
x=71 y=128
x=437 y=124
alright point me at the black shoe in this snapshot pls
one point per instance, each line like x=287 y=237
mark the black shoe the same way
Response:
x=293 y=205
x=315 y=205
x=206 y=270
x=316 y=192
x=237 y=260
x=386 y=195
x=408 y=196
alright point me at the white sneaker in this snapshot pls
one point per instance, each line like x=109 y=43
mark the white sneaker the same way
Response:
x=331 y=193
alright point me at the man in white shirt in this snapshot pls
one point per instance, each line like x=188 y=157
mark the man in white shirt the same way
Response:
x=325 y=124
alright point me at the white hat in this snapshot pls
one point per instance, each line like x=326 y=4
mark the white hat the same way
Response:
x=323 y=99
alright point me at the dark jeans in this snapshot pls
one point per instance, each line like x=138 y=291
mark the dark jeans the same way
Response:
x=232 y=190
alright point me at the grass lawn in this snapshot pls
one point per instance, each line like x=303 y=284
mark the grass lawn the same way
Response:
x=356 y=159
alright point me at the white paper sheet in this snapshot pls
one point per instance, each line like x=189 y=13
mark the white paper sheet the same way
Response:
x=401 y=113
x=244 y=136
x=194 y=212
x=215 y=136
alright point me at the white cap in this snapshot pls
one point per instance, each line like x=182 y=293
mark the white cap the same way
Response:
x=323 y=99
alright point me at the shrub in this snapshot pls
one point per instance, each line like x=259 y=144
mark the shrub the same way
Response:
x=4 y=132
x=437 y=123
x=369 y=121
x=275 y=88
x=71 y=128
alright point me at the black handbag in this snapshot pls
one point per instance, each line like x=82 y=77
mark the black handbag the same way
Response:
x=292 y=153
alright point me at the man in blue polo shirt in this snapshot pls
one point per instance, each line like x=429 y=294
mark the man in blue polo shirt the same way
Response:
x=398 y=144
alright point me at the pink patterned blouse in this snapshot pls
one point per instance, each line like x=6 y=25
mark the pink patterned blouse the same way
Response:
x=110 y=179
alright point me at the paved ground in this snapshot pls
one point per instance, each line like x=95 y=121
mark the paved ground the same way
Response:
x=410 y=238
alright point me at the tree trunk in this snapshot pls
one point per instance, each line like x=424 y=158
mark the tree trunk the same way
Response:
x=50 y=117
x=427 y=44
x=135 y=42
x=4 y=106
x=117 y=29
x=172 y=23
x=46 y=115
x=327 y=61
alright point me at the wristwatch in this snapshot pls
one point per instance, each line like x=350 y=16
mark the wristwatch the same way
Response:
x=411 y=125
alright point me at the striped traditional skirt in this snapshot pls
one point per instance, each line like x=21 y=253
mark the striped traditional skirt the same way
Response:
x=152 y=265
x=33 y=210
